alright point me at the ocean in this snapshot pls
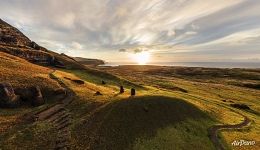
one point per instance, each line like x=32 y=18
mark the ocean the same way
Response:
x=196 y=64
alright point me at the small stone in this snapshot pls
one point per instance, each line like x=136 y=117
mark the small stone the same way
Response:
x=78 y=81
x=145 y=108
x=98 y=93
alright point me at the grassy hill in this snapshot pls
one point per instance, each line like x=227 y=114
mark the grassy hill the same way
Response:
x=145 y=122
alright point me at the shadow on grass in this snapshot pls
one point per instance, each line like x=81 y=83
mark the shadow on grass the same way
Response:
x=119 y=124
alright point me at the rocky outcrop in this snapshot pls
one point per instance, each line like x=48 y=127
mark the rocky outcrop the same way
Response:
x=7 y=96
x=12 y=36
x=89 y=62
x=75 y=80
x=14 y=42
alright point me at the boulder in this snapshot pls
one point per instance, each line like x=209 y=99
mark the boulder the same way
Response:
x=240 y=106
x=78 y=81
x=98 y=93
x=8 y=97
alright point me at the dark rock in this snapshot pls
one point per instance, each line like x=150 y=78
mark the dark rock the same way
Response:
x=8 y=97
x=122 y=90
x=35 y=46
x=67 y=78
x=98 y=93
x=75 y=80
x=133 y=92
x=78 y=81
x=103 y=82
x=8 y=39
x=145 y=108
x=26 y=94
x=37 y=96
x=60 y=91
x=240 y=106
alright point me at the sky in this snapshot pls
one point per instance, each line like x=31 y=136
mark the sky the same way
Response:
x=167 y=30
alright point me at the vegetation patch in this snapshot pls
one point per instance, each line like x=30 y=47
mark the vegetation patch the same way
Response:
x=126 y=123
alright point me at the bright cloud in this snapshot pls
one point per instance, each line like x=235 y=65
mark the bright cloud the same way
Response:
x=167 y=28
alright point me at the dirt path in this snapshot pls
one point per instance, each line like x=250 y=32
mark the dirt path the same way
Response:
x=213 y=132
x=59 y=116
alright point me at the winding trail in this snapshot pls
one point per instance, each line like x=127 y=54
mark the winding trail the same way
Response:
x=213 y=131
x=59 y=116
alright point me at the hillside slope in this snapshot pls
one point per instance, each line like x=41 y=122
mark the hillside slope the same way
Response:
x=14 y=42
x=22 y=74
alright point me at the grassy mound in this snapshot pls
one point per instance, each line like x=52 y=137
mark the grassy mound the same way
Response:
x=148 y=122
x=96 y=76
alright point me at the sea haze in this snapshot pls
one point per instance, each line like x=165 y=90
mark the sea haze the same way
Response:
x=195 y=64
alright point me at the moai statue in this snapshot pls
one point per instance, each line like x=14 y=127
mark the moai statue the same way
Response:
x=103 y=82
x=37 y=96
x=132 y=92
x=8 y=97
x=122 y=90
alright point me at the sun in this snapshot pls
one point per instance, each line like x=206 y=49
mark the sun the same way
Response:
x=142 y=58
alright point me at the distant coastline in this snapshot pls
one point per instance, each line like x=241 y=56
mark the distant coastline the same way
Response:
x=194 y=64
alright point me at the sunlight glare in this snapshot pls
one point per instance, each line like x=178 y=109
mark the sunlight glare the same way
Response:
x=142 y=58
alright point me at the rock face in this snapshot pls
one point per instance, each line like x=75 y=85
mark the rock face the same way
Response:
x=14 y=42
x=11 y=36
x=7 y=96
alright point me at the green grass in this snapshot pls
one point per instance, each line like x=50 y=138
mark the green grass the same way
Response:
x=95 y=76
x=173 y=110
x=143 y=123
x=33 y=136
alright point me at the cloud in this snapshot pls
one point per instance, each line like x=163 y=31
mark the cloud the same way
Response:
x=76 y=45
x=122 y=50
x=138 y=50
x=162 y=26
